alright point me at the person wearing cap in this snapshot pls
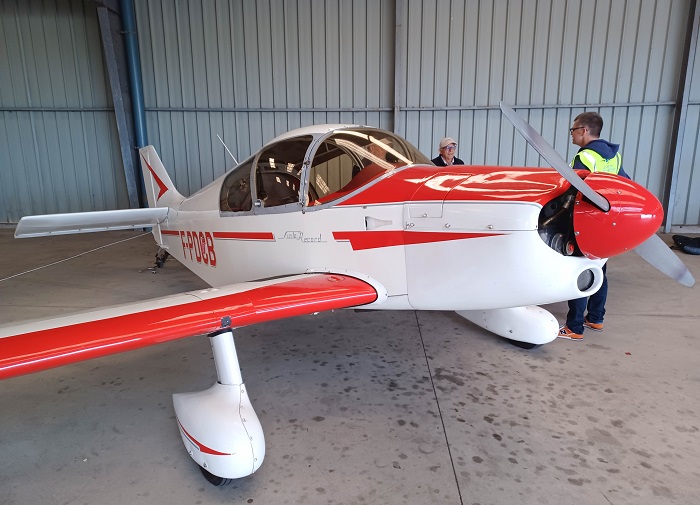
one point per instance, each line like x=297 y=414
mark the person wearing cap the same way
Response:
x=448 y=149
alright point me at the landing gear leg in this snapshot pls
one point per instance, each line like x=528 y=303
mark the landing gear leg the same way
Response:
x=219 y=427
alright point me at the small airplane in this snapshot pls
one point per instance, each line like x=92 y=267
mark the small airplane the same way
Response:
x=337 y=216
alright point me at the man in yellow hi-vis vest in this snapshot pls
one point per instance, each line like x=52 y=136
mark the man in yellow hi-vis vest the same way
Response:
x=596 y=155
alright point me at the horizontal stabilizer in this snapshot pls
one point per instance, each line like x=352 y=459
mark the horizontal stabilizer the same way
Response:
x=35 y=346
x=88 y=222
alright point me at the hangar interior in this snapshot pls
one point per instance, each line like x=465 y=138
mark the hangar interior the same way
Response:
x=358 y=407
x=83 y=82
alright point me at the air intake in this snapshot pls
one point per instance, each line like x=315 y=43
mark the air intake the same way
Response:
x=585 y=280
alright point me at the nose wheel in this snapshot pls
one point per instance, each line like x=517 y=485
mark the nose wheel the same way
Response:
x=526 y=327
x=523 y=345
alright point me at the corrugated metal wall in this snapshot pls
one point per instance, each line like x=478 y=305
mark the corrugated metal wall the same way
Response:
x=263 y=67
x=252 y=70
x=249 y=70
x=687 y=205
x=618 y=58
x=58 y=144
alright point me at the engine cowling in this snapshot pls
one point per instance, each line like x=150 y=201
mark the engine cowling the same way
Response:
x=635 y=214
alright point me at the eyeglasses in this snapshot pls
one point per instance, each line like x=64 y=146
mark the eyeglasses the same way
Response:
x=451 y=147
x=571 y=130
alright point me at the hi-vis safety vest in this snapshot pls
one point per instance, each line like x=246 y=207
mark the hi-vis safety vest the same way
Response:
x=596 y=163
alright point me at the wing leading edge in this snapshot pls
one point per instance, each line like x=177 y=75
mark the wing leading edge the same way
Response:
x=33 y=347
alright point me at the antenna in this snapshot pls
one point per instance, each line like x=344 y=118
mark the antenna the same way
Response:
x=227 y=149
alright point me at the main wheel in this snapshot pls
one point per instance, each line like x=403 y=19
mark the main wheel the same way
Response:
x=523 y=345
x=214 y=479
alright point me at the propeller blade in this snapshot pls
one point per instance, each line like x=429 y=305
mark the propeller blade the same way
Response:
x=660 y=256
x=553 y=158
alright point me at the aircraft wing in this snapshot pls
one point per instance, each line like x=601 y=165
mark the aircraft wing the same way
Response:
x=35 y=346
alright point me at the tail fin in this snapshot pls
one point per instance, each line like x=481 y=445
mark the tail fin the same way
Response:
x=160 y=190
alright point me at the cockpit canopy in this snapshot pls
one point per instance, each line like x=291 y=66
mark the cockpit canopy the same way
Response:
x=313 y=170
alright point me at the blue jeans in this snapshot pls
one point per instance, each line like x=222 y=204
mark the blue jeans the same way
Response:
x=594 y=303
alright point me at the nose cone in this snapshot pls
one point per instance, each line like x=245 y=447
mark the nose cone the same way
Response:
x=635 y=215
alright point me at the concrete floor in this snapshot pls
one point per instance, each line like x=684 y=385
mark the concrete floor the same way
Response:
x=358 y=407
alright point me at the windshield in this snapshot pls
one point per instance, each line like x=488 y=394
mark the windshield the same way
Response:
x=351 y=159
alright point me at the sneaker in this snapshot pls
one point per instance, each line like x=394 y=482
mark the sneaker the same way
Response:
x=592 y=326
x=565 y=332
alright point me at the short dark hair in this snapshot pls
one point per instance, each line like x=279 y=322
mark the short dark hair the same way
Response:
x=592 y=121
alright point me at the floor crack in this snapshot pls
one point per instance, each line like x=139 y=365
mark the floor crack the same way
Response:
x=437 y=403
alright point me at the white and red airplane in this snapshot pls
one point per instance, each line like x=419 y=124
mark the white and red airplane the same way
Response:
x=338 y=216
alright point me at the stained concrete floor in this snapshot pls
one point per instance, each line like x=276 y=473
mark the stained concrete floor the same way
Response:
x=357 y=407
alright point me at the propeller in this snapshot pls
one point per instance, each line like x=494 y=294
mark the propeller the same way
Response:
x=653 y=250
x=553 y=158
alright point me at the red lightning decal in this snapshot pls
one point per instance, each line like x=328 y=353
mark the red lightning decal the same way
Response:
x=161 y=184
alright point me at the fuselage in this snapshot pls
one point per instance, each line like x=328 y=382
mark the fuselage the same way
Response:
x=463 y=238
x=446 y=238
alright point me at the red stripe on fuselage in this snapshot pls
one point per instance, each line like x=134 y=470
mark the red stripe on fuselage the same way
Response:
x=233 y=235
x=244 y=235
x=361 y=240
